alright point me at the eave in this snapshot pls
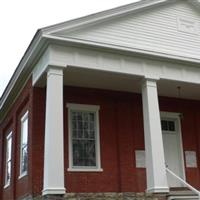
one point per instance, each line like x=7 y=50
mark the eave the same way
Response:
x=22 y=72
x=120 y=49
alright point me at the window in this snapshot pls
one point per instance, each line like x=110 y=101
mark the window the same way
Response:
x=168 y=125
x=24 y=146
x=84 y=148
x=8 y=159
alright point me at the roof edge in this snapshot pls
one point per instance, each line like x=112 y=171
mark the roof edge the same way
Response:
x=107 y=14
x=38 y=37
x=22 y=64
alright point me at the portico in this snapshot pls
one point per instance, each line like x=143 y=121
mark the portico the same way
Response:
x=115 y=72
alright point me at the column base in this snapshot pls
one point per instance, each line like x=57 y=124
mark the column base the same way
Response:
x=54 y=191
x=158 y=190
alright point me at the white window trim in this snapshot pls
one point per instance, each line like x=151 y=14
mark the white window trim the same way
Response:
x=21 y=175
x=84 y=107
x=7 y=184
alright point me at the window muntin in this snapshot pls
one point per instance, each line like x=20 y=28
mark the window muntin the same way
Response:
x=168 y=125
x=8 y=159
x=83 y=138
x=24 y=146
x=84 y=146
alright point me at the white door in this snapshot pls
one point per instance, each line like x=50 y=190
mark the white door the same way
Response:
x=173 y=149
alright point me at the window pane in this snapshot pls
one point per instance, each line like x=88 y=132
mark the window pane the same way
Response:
x=24 y=146
x=8 y=159
x=74 y=126
x=80 y=133
x=73 y=115
x=83 y=138
x=8 y=172
x=79 y=116
x=91 y=134
x=24 y=163
x=84 y=153
x=91 y=117
x=74 y=134
x=168 y=125
x=164 y=125
x=171 y=125
x=85 y=117
x=80 y=125
x=9 y=148
x=25 y=132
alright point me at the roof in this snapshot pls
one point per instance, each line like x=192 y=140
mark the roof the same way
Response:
x=43 y=35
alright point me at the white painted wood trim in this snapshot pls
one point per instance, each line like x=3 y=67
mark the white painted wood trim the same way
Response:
x=158 y=190
x=53 y=191
x=116 y=63
x=170 y=115
x=84 y=170
x=22 y=175
x=53 y=179
x=85 y=107
x=25 y=116
x=155 y=163
x=174 y=115
x=141 y=50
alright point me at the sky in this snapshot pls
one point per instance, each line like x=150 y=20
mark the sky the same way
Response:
x=20 y=20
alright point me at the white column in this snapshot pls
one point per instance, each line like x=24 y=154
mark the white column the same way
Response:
x=54 y=151
x=155 y=161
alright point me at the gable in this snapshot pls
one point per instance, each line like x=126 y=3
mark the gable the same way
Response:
x=172 y=28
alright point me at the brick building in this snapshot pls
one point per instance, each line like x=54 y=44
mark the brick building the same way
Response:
x=106 y=106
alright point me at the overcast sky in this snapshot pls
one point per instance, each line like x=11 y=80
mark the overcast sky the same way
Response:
x=20 y=19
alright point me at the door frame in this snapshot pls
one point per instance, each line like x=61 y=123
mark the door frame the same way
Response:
x=176 y=116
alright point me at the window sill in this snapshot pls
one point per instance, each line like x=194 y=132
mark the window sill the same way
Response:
x=84 y=170
x=22 y=175
x=6 y=186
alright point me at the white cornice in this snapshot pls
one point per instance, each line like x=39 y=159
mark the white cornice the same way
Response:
x=142 y=51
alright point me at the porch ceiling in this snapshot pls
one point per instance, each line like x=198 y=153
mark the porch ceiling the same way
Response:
x=74 y=76
x=186 y=91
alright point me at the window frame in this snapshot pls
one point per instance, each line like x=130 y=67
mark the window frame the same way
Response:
x=23 y=119
x=7 y=182
x=88 y=108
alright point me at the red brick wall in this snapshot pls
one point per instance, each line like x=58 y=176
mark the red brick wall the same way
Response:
x=121 y=133
x=11 y=122
x=38 y=130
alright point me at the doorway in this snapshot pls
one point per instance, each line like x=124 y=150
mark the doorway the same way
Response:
x=173 y=150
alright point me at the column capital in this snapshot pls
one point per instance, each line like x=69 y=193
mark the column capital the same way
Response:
x=54 y=70
x=149 y=82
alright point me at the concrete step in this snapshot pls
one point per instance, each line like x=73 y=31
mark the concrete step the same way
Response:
x=182 y=194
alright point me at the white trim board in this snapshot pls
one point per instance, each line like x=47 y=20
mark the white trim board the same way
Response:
x=115 y=63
